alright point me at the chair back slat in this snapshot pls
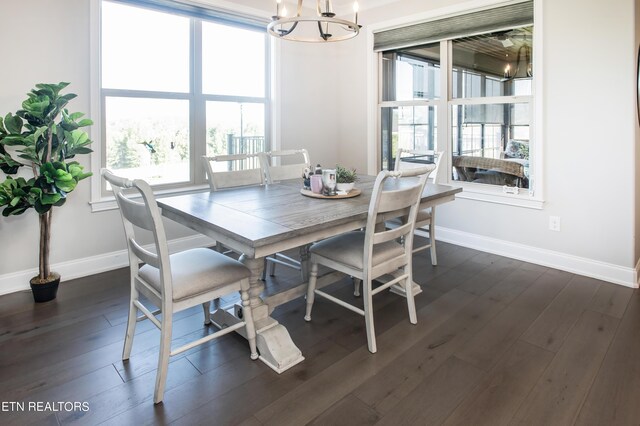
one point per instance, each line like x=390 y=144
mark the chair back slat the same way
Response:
x=398 y=199
x=233 y=179
x=289 y=171
x=407 y=159
x=392 y=234
x=144 y=255
x=135 y=212
x=230 y=171
x=277 y=172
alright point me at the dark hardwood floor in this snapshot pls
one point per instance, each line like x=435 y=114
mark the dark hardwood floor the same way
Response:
x=498 y=342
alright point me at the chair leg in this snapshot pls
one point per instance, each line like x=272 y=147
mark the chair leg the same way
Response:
x=272 y=269
x=206 y=307
x=411 y=302
x=131 y=329
x=368 y=318
x=264 y=270
x=313 y=277
x=356 y=286
x=432 y=237
x=248 y=323
x=163 y=359
x=219 y=247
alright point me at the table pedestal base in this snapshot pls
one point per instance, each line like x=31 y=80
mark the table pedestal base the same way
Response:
x=399 y=289
x=276 y=348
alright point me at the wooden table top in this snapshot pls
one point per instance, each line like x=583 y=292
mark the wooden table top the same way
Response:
x=258 y=216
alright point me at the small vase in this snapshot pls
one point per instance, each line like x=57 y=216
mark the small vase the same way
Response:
x=346 y=187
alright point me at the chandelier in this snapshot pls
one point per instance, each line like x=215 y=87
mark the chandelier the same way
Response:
x=322 y=27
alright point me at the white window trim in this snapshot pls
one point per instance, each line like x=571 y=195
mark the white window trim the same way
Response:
x=100 y=202
x=473 y=191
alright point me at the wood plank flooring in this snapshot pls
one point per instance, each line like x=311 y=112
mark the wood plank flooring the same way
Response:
x=498 y=342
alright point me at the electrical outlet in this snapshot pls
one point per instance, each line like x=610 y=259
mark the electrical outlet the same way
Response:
x=554 y=223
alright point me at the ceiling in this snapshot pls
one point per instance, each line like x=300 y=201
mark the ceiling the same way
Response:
x=487 y=53
x=346 y=5
x=498 y=44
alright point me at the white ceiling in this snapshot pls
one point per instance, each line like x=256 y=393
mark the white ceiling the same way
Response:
x=363 y=4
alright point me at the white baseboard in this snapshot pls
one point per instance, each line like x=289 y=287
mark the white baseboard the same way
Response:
x=629 y=277
x=19 y=281
x=616 y=274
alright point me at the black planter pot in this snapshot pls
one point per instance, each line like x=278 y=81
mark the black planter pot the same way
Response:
x=46 y=291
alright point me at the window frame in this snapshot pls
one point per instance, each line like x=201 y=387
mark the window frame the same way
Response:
x=532 y=198
x=101 y=199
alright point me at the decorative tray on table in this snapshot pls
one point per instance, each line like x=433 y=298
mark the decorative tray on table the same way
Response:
x=353 y=193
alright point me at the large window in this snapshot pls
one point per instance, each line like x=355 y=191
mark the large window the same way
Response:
x=488 y=105
x=411 y=89
x=178 y=85
x=468 y=93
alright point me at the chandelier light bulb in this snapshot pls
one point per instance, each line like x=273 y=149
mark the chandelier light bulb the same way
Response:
x=356 y=7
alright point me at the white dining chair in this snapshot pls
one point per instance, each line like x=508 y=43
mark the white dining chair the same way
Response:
x=296 y=160
x=376 y=251
x=175 y=282
x=232 y=171
x=426 y=217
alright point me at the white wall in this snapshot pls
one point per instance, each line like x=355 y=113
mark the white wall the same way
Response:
x=309 y=103
x=636 y=53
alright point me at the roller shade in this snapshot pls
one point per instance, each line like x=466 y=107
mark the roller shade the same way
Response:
x=484 y=21
x=201 y=12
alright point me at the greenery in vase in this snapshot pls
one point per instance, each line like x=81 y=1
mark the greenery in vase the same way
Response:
x=42 y=136
x=344 y=175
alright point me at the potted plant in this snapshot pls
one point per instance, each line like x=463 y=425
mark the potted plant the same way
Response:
x=43 y=136
x=345 y=178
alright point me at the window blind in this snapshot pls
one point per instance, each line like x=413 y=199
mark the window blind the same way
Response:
x=480 y=22
x=193 y=10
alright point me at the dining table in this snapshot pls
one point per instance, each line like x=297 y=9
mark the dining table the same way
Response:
x=258 y=221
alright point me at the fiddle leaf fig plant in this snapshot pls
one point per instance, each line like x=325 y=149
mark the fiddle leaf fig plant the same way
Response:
x=42 y=136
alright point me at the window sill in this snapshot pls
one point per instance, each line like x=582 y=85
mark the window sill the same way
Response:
x=494 y=194
x=109 y=203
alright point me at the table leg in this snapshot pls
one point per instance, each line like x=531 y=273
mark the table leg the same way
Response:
x=399 y=288
x=276 y=348
x=304 y=261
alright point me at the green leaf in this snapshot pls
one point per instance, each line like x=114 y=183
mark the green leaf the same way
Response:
x=13 y=123
x=7 y=164
x=66 y=186
x=82 y=150
x=74 y=116
x=38 y=108
x=13 y=211
x=40 y=208
x=50 y=198
x=85 y=122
